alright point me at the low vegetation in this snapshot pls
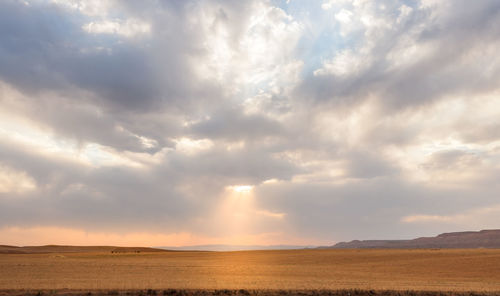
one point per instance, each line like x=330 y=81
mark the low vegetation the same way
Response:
x=240 y=292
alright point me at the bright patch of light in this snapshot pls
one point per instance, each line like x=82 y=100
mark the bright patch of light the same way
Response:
x=328 y=4
x=270 y=181
x=235 y=145
x=261 y=59
x=147 y=142
x=483 y=217
x=87 y=7
x=190 y=147
x=25 y=134
x=345 y=63
x=270 y=214
x=344 y=16
x=242 y=188
x=15 y=181
x=128 y=28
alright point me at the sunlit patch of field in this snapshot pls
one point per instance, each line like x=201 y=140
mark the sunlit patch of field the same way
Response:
x=424 y=270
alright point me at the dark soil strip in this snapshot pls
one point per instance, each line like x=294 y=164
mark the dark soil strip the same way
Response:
x=241 y=292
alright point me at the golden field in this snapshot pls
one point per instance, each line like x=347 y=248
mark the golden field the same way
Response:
x=428 y=270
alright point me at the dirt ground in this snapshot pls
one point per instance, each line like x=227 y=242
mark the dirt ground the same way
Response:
x=292 y=270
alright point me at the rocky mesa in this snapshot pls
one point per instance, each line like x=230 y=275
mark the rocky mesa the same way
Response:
x=452 y=240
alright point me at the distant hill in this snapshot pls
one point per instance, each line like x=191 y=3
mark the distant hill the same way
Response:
x=73 y=249
x=4 y=249
x=235 y=247
x=452 y=240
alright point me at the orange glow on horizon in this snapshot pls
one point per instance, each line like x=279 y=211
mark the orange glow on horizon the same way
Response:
x=48 y=235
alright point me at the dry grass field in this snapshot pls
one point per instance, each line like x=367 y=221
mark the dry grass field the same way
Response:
x=422 y=270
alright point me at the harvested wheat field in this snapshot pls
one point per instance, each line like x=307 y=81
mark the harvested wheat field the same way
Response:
x=402 y=270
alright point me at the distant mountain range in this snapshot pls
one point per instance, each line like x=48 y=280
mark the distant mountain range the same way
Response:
x=452 y=240
x=235 y=247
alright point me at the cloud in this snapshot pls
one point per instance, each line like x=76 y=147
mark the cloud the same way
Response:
x=424 y=54
x=349 y=119
x=485 y=217
x=271 y=214
x=15 y=181
x=426 y=218
x=128 y=28
x=233 y=125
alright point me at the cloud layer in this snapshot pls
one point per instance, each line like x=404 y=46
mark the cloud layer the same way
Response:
x=344 y=119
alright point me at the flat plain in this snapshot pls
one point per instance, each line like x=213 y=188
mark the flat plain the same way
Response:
x=400 y=270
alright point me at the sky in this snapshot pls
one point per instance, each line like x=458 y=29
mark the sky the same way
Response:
x=300 y=122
